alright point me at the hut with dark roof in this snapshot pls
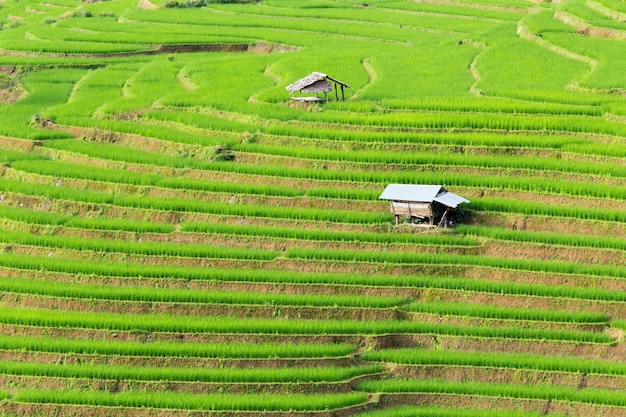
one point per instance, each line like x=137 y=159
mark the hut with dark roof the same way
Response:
x=316 y=83
x=428 y=204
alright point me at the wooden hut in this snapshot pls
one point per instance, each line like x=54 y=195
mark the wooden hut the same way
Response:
x=316 y=83
x=428 y=204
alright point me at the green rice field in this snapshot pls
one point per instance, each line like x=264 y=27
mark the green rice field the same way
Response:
x=180 y=237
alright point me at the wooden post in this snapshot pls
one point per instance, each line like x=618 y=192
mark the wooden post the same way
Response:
x=443 y=220
x=336 y=94
x=343 y=98
x=432 y=217
x=397 y=220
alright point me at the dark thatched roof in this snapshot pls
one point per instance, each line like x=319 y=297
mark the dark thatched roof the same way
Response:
x=315 y=82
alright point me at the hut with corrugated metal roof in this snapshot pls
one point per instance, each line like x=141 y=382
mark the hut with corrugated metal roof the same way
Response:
x=429 y=205
x=316 y=83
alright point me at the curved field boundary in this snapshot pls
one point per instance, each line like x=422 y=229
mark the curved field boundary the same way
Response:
x=547 y=407
x=613 y=14
x=585 y=28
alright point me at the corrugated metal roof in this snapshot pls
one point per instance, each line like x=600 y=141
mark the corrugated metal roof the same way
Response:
x=408 y=192
x=422 y=194
x=450 y=199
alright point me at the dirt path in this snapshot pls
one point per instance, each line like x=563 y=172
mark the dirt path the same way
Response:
x=147 y=5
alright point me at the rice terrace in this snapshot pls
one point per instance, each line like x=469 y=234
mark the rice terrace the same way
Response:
x=184 y=235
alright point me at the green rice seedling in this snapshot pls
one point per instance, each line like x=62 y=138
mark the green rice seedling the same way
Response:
x=449 y=259
x=506 y=313
x=544 y=22
x=24 y=118
x=513 y=183
x=8 y=156
x=430 y=158
x=184 y=401
x=139 y=248
x=209 y=375
x=131 y=155
x=591 y=16
x=498 y=360
x=547 y=392
x=175 y=349
x=97 y=86
x=533 y=82
x=429 y=120
x=619 y=324
x=99 y=223
x=73 y=266
x=148 y=294
x=326 y=235
x=61 y=169
x=377 y=11
x=492 y=104
x=603 y=242
x=69 y=47
x=245 y=25
x=202 y=121
x=170 y=204
x=121 y=153
x=434 y=411
x=427 y=66
x=606 y=51
x=537 y=209
x=455 y=10
x=614 y=5
x=135 y=33
x=218 y=325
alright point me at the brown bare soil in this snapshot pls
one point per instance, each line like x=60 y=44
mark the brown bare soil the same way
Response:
x=509 y=376
x=494 y=403
x=244 y=199
x=575 y=349
x=172 y=217
x=476 y=344
x=46 y=410
x=146 y=5
x=494 y=7
x=161 y=49
x=10 y=383
x=205 y=310
x=180 y=337
x=169 y=148
x=239 y=241
x=518 y=324
x=277 y=311
x=305 y=266
x=516 y=250
x=260 y=287
x=613 y=309
x=178 y=362
x=585 y=255
x=549 y=224
x=10 y=94
x=144 y=260
x=584 y=29
x=22 y=145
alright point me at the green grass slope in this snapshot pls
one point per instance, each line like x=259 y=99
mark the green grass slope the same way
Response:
x=179 y=237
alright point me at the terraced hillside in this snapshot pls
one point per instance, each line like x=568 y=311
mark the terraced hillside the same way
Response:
x=179 y=238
